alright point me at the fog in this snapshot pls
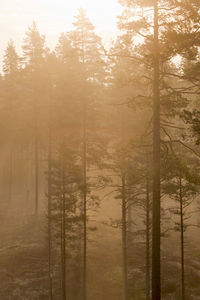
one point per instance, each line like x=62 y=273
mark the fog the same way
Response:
x=99 y=151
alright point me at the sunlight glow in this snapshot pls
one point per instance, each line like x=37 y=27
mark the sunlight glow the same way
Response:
x=54 y=17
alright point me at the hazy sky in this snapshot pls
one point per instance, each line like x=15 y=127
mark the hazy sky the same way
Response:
x=54 y=17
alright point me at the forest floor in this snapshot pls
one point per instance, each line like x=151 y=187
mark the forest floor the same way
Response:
x=24 y=269
x=23 y=264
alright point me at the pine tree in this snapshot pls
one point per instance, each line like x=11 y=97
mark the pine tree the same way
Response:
x=34 y=52
x=180 y=184
x=11 y=59
x=10 y=68
x=156 y=282
x=137 y=22
x=64 y=50
x=88 y=46
x=128 y=93
x=66 y=215
x=89 y=51
x=34 y=49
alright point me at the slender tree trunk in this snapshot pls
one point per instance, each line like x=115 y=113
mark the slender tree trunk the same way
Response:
x=147 y=240
x=156 y=282
x=182 y=240
x=49 y=203
x=84 y=203
x=124 y=213
x=124 y=238
x=36 y=158
x=10 y=175
x=61 y=240
x=84 y=183
x=63 y=248
x=10 y=183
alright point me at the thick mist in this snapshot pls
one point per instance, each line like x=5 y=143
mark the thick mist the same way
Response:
x=100 y=160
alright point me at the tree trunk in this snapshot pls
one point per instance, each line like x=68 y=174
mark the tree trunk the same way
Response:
x=63 y=237
x=36 y=158
x=84 y=204
x=156 y=282
x=10 y=175
x=49 y=204
x=147 y=240
x=84 y=183
x=124 y=238
x=182 y=240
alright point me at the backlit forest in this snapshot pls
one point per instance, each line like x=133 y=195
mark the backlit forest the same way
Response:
x=100 y=159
